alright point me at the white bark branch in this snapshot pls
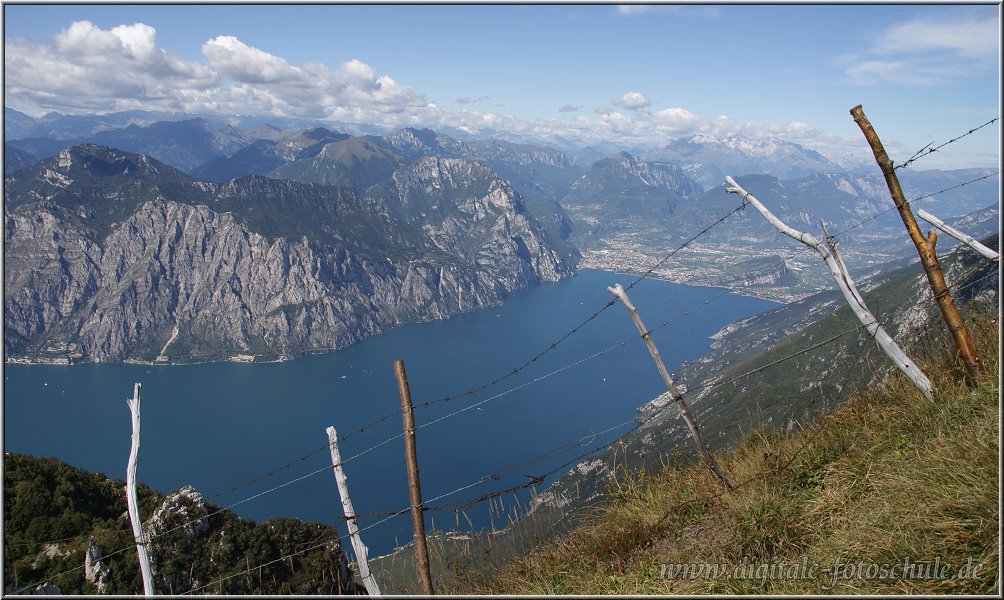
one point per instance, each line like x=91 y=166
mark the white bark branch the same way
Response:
x=955 y=233
x=131 y=500
x=843 y=278
x=362 y=561
x=695 y=432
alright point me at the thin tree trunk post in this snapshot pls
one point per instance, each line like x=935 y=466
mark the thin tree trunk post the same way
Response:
x=959 y=235
x=843 y=278
x=350 y=516
x=414 y=485
x=695 y=432
x=131 y=500
x=925 y=248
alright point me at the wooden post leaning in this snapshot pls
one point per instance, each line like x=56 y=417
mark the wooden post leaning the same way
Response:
x=362 y=561
x=925 y=248
x=695 y=432
x=131 y=500
x=414 y=486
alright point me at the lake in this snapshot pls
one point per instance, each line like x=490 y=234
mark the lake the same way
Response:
x=216 y=426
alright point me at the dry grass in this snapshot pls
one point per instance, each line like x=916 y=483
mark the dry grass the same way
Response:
x=888 y=479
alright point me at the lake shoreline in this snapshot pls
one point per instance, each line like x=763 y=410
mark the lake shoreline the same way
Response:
x=216 y=425
x=281 y=358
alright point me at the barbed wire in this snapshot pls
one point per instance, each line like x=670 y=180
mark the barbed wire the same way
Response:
x=822 y=423
x=399 y=435
x=927 y=150
x=526 y=364
x=390 y=515
x=553 y=345
x=534 y=480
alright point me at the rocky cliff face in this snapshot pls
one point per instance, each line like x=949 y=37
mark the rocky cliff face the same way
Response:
x=180 y=280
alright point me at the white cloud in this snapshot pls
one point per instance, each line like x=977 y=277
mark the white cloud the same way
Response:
x=243 y=63
x=633 y=9
x=970 y=36
x=928 y=51
x=634 y=101
x=87 y=68
x=677 y=120
x=628 y=10
x=902 y=72
x=92 y=70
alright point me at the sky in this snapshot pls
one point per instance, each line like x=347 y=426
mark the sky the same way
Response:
x=634 y=76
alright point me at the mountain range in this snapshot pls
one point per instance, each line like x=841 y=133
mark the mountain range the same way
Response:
x=395 y=227
x=114 y=256
x=708 y=159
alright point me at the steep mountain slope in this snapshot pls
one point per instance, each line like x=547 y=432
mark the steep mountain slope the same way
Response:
x=856 y=208
x=192 y=543
x=888 y=494
x=15 y=159
x=114 y=256
x=355 y=162
x=621 y=190
x=779 y=371
x=790 y=365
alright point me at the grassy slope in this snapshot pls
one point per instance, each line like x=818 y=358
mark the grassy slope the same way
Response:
x=885 y=477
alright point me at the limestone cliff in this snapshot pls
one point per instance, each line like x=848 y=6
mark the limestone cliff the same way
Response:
x=194 y=271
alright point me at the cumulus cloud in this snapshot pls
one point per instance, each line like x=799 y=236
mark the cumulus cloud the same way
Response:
x=92 y=68
x=86 y=68
x=243 y=63
x=677 y=120
x=634 y=101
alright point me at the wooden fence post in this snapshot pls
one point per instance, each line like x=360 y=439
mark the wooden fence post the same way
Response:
x=959 y=235
x=843 y=278
x=133 y=503
x=925 y=248
x=350 y=516
x=695 y=432
x=414 y=486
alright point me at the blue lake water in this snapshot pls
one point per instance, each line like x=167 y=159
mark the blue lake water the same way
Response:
x=216 y=426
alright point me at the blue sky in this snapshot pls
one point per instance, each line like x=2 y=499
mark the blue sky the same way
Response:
x=637 y=75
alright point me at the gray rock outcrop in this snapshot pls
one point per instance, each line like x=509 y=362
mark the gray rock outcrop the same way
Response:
x=177 y=279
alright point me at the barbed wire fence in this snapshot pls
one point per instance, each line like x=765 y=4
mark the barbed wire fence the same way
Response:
x=552 y=453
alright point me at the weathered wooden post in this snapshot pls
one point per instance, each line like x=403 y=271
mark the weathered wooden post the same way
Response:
x=695 y=432
x=843 y=278
x=133 y=503
x=959 y=235
x=925 y=248
x=350 y=516
x=414 y=486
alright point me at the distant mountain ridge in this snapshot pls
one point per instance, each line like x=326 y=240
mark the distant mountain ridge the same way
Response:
x=709 y=159
x=114 y=256
x=619 y=209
